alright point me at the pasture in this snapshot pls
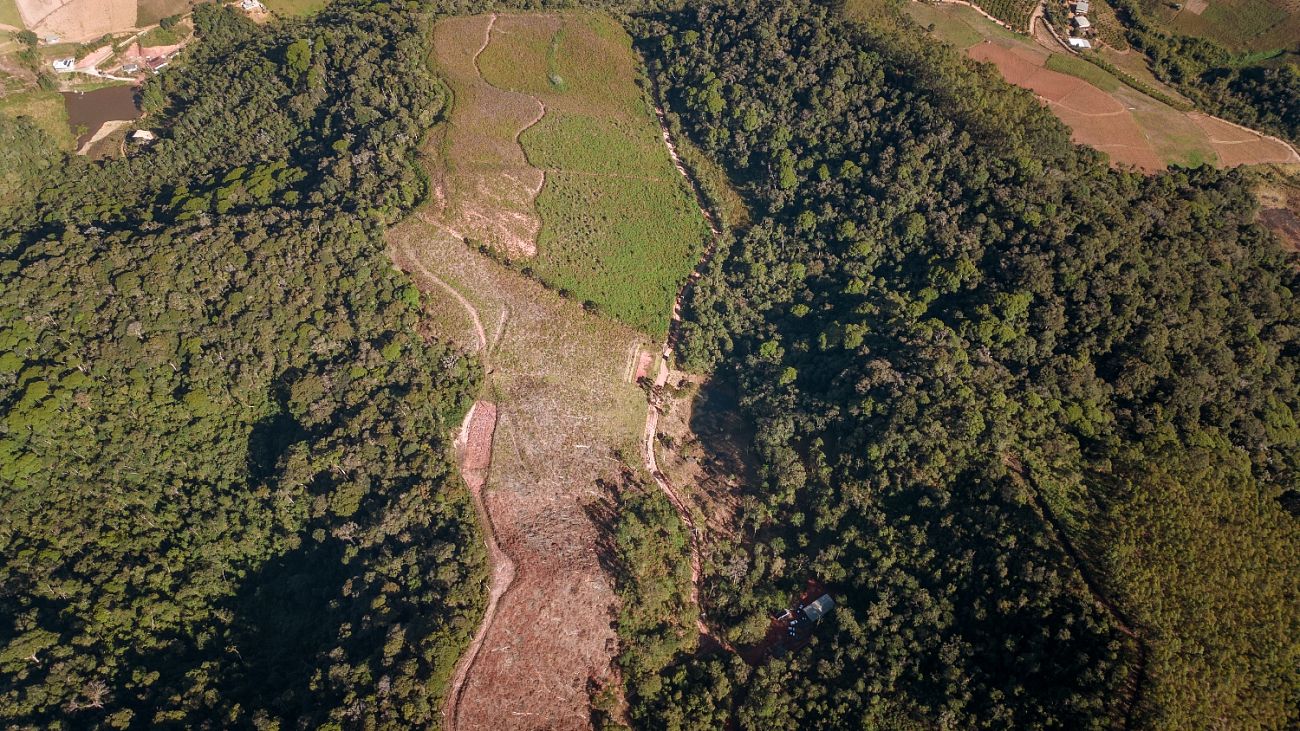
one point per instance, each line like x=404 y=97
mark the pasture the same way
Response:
x=46 y=109
x=294 y=8
x=619 y=228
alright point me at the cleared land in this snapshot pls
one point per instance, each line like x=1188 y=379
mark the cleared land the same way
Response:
x=485 y=188
x=568 y=416
x=77 y=20
x=619 y=227
x=1101 y=111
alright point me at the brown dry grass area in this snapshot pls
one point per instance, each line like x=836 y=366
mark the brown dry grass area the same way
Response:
x=486 y=187
x=1095 y=118
x=566 y=418
x=77 y=20
x=1237 y=146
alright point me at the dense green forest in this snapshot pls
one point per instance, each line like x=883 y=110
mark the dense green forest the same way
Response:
x=1262 y=93
x=225 y=499
x=1031 y=420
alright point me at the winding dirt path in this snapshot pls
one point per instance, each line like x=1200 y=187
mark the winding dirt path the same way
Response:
x=474 y=446
x=653 y=412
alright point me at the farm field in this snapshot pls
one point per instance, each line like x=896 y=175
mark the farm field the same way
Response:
x=1241 y=26
x=77 y=21
x=149 y=12
x=1102 y=112
x=9 y=14
x=619 y=227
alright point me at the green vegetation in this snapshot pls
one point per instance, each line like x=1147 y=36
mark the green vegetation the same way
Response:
x=149 y=12
x=223 y=473
x=620 y=230
x=1012 y=12
x=995 y=427
x=295 y=8
x=1241 y=26
x=46 y=110
x=161 y=36
x=1089 y=72
x=1242 y=87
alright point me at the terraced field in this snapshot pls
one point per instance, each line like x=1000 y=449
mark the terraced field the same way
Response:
x=1133 y=128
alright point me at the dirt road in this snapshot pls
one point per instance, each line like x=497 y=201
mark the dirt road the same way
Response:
x=653 y=413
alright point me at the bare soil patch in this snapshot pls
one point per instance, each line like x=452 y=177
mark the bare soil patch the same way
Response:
x=1095 y=118
x=77 y=21
x=566 y=418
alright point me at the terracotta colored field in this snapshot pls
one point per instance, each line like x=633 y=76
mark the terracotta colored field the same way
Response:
x=1237 y=146
x=1101 y=111
x=77 y=20
x=1095 y=118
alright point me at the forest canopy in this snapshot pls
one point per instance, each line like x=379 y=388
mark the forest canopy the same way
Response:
x=1002 y=392
x=224 y=493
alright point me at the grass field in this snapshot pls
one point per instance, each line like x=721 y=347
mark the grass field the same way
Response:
x=46 y=109
x=619 y=227
x=149 y=12
x=1242 y=26
x=1079 y=68
x=9 y=14
x=294 y=7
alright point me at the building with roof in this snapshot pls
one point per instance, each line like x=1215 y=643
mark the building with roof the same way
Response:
x=814 y=611
x=1081 y=7
x=1081 y=22
x=1080 y=43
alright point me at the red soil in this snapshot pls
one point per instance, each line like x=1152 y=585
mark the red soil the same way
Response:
x=1095 y=118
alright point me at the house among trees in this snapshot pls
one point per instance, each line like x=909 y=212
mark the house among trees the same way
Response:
x=1081 y=7
x=1081 y=23
x=814 y=611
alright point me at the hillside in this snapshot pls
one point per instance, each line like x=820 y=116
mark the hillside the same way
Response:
x=748 y=364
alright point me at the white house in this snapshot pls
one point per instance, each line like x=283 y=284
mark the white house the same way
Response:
x=1081 y=7
x=1080 y=43
x=1081 y=22
x=64 y=65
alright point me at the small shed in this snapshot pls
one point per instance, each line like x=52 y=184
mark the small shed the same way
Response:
x=1081 y=7
x=142 y=136
x=1080 y=43
x=814 y=611
x=1081 y=22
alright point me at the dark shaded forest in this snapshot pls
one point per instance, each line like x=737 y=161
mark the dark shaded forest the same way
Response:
x=224 y=488
x=1030 y=419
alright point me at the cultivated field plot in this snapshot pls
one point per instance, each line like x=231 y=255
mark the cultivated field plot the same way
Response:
x=77 y=20
x=1101 y=111
x=619 y=227
x=1242 y=26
